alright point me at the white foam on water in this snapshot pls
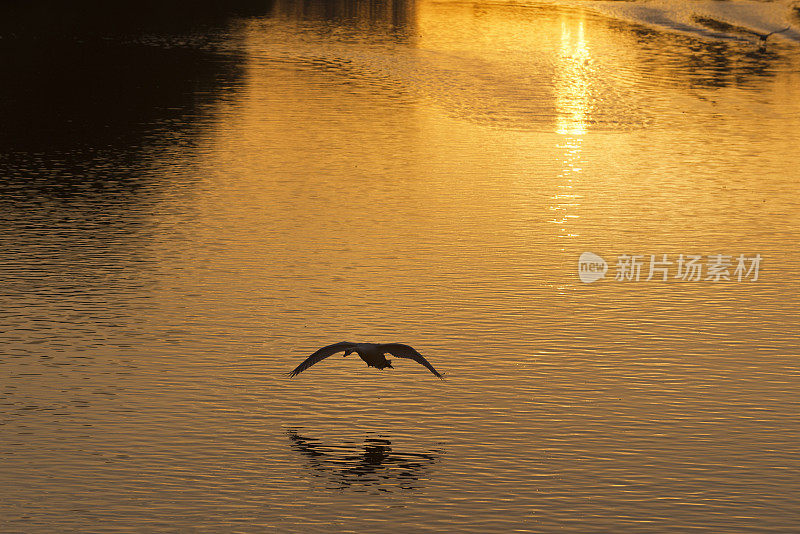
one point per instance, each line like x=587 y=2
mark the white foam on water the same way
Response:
x=730 y=20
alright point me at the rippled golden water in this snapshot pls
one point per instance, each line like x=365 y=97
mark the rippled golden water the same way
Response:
x=427 y=173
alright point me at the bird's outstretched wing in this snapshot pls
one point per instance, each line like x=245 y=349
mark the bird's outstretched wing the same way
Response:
x=764 y=36
x=404 y=351
x=320 y=355
x=779 y=31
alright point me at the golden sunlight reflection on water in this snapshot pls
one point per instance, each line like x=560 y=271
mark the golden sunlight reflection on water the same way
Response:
x=427 y=173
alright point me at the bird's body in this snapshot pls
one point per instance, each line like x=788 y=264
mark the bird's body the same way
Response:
x=372 y=353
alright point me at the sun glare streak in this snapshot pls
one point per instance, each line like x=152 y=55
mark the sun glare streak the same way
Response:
x=572 y=83
x=573 y=100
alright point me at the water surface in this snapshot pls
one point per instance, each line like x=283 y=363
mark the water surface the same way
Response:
x=189 y=210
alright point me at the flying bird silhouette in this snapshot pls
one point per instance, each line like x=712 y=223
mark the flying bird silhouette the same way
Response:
x=372 y=353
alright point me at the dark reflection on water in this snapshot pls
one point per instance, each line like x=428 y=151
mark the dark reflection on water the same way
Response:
x=387 y=13
x=370 y=466
x=89 y=74
x=92 y=93
x=729 y=60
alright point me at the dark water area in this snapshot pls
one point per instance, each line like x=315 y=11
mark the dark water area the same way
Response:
x=93 y=74
x=195 y=196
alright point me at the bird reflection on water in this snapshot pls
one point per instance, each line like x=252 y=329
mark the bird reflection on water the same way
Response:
x=371 y=466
